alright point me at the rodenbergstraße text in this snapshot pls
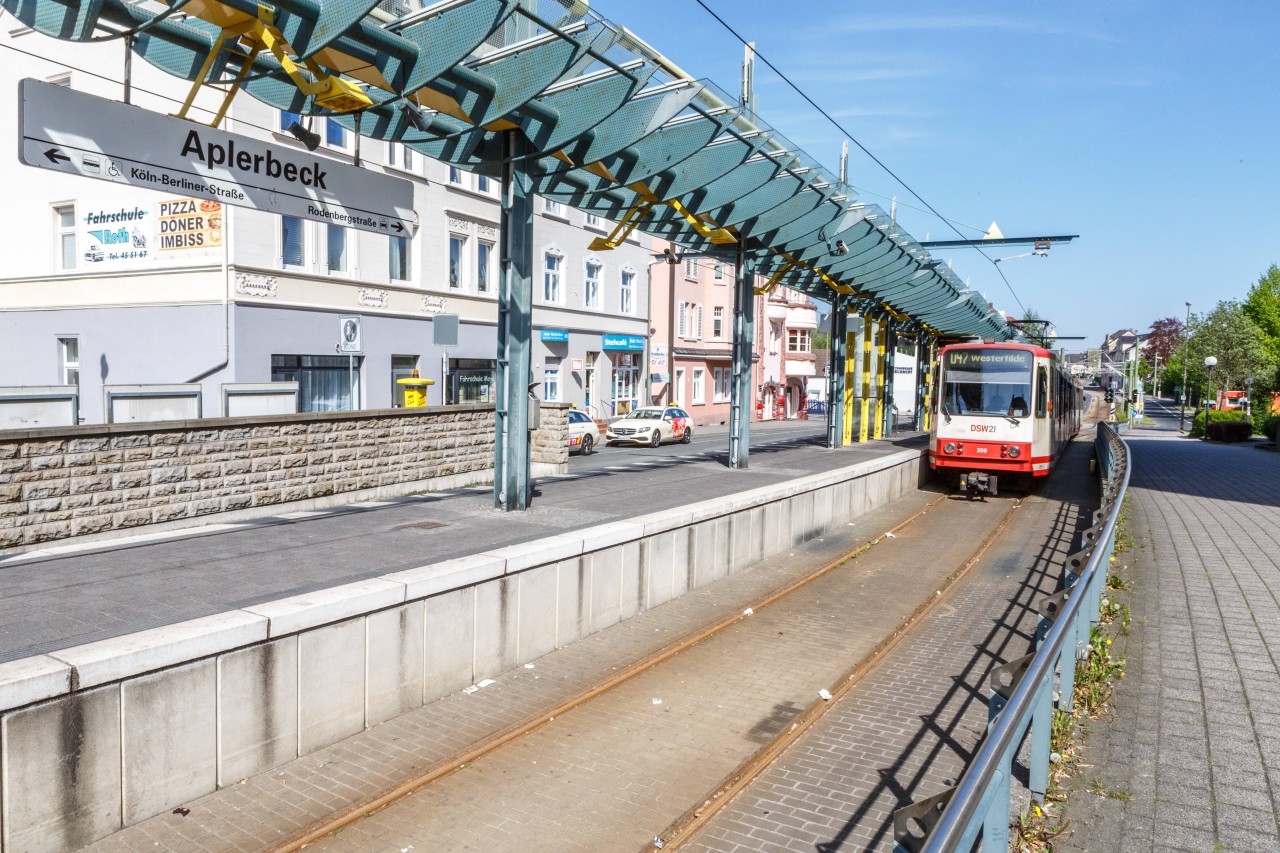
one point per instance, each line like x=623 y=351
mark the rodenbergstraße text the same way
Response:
x=216 y=154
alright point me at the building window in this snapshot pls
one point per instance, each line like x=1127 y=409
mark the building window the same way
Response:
x=326 y=383
x=402 y=367
x=293 y=241
x=288 y=119
x=551 y=277
x=677 y=388
x=455 y=175
x=457 y=245
x=69 y=357
x=626 y=292
x=553 y=208
x=699 y=385
x=404 y=157
x=680 y=319
x=551 y=382
x=484 y=266
x=336 y=244
x=335 y=134
x=591 y=287
x=717 y=323
x=592 y=221
x=65 y=223
x=721 y=375
x=798 y=340
x=691 y=269
x=482 y=183
x=719 y=271
x=398 y=258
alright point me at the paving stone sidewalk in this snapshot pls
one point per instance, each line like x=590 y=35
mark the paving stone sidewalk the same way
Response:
x=1189 y=757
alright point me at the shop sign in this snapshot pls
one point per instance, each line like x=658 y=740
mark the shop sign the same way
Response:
x=577 y=364
x=628 y=343
x=554 y=336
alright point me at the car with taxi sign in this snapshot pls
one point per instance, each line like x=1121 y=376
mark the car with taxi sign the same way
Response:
x=584 y=435
x=651 y=425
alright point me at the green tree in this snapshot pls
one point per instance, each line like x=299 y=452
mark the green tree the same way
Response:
x=1262 y=306
x=1240 y=345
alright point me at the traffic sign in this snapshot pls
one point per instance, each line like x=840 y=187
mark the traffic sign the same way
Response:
x=81 y=134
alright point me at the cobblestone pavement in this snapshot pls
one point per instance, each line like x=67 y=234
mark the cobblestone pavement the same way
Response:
x=106 y=589
x=910 y=728
x=266 y=808
x=1189 y=757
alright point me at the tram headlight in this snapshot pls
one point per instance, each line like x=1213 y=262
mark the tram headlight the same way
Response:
x=1014 y=451
x=949 y=447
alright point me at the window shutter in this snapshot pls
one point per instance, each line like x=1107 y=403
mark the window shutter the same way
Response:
x=680 y=312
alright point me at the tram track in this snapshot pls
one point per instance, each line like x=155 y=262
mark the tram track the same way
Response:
x=684 y=827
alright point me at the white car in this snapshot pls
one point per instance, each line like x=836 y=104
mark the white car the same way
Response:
x=584 y=435
x=651 y=425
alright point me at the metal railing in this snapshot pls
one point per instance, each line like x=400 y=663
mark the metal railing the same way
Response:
x=1023 y=692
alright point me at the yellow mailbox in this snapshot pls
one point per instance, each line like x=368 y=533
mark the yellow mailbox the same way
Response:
x=415 y=390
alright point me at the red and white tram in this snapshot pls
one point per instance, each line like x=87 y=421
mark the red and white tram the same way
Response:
x=1002 y=412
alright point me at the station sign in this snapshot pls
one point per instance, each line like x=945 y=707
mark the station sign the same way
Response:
x=81 y=134
x=554 y=336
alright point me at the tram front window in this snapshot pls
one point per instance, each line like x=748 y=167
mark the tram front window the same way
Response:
x=987 y=382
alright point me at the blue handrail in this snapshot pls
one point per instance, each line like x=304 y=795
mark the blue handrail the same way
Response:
x=980 y=802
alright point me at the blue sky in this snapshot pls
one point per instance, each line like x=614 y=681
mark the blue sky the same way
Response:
x=1151 y=129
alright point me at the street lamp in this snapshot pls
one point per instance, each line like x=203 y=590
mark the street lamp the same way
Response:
x=1209 y=362
x=1186 y=340
x=1248 y=397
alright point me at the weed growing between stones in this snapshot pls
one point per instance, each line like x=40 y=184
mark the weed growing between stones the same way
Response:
x=1096 y=674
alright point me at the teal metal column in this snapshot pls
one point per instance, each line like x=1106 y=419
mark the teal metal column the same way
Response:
x=744 y=334
x=836 y=372
x=890 y=425
x=922 y=370
x=512 y=465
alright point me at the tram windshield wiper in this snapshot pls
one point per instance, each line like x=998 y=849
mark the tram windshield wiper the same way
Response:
x=1013 y=420
x=945 y=413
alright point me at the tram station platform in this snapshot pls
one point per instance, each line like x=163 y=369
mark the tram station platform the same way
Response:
x=1189 y=757
x=81 y=592
x=613 y=776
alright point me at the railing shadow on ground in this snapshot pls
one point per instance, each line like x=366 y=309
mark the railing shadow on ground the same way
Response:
x=966 y=699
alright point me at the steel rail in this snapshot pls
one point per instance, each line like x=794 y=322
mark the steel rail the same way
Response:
x=686 y=828
x=958 y=826
x=357 y=811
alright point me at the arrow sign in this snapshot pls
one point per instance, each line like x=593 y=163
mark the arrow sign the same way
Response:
x=80 y=134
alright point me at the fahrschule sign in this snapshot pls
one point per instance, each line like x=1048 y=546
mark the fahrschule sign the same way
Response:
x=69 y=131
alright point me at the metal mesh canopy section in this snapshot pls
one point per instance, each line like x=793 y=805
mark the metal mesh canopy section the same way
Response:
x=613 y=127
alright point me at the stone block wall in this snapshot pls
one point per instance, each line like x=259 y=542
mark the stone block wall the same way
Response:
x=96 y=479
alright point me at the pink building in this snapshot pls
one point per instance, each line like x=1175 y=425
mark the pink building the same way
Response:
x=691 y=315
x=785 y=322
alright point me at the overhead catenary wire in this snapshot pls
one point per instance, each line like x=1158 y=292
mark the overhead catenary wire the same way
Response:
x=862 y=147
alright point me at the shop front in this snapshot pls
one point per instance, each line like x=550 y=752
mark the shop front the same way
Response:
x=471 y=380
x=626 y=352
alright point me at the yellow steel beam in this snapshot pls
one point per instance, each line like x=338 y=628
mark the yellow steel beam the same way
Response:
x=882 y=335
x=864 y=420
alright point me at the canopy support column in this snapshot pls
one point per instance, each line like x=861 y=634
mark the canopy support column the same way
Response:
x=930 y=370
x=922 y=370
x=864 y=422
x=881 y=333
x=836 y=385
x=512 y=462
x=888 y=361
x=744 y=334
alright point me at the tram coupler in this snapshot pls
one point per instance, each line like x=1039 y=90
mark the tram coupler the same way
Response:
x=980 y=484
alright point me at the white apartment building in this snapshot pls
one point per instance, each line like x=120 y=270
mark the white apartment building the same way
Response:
x=105 y=284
